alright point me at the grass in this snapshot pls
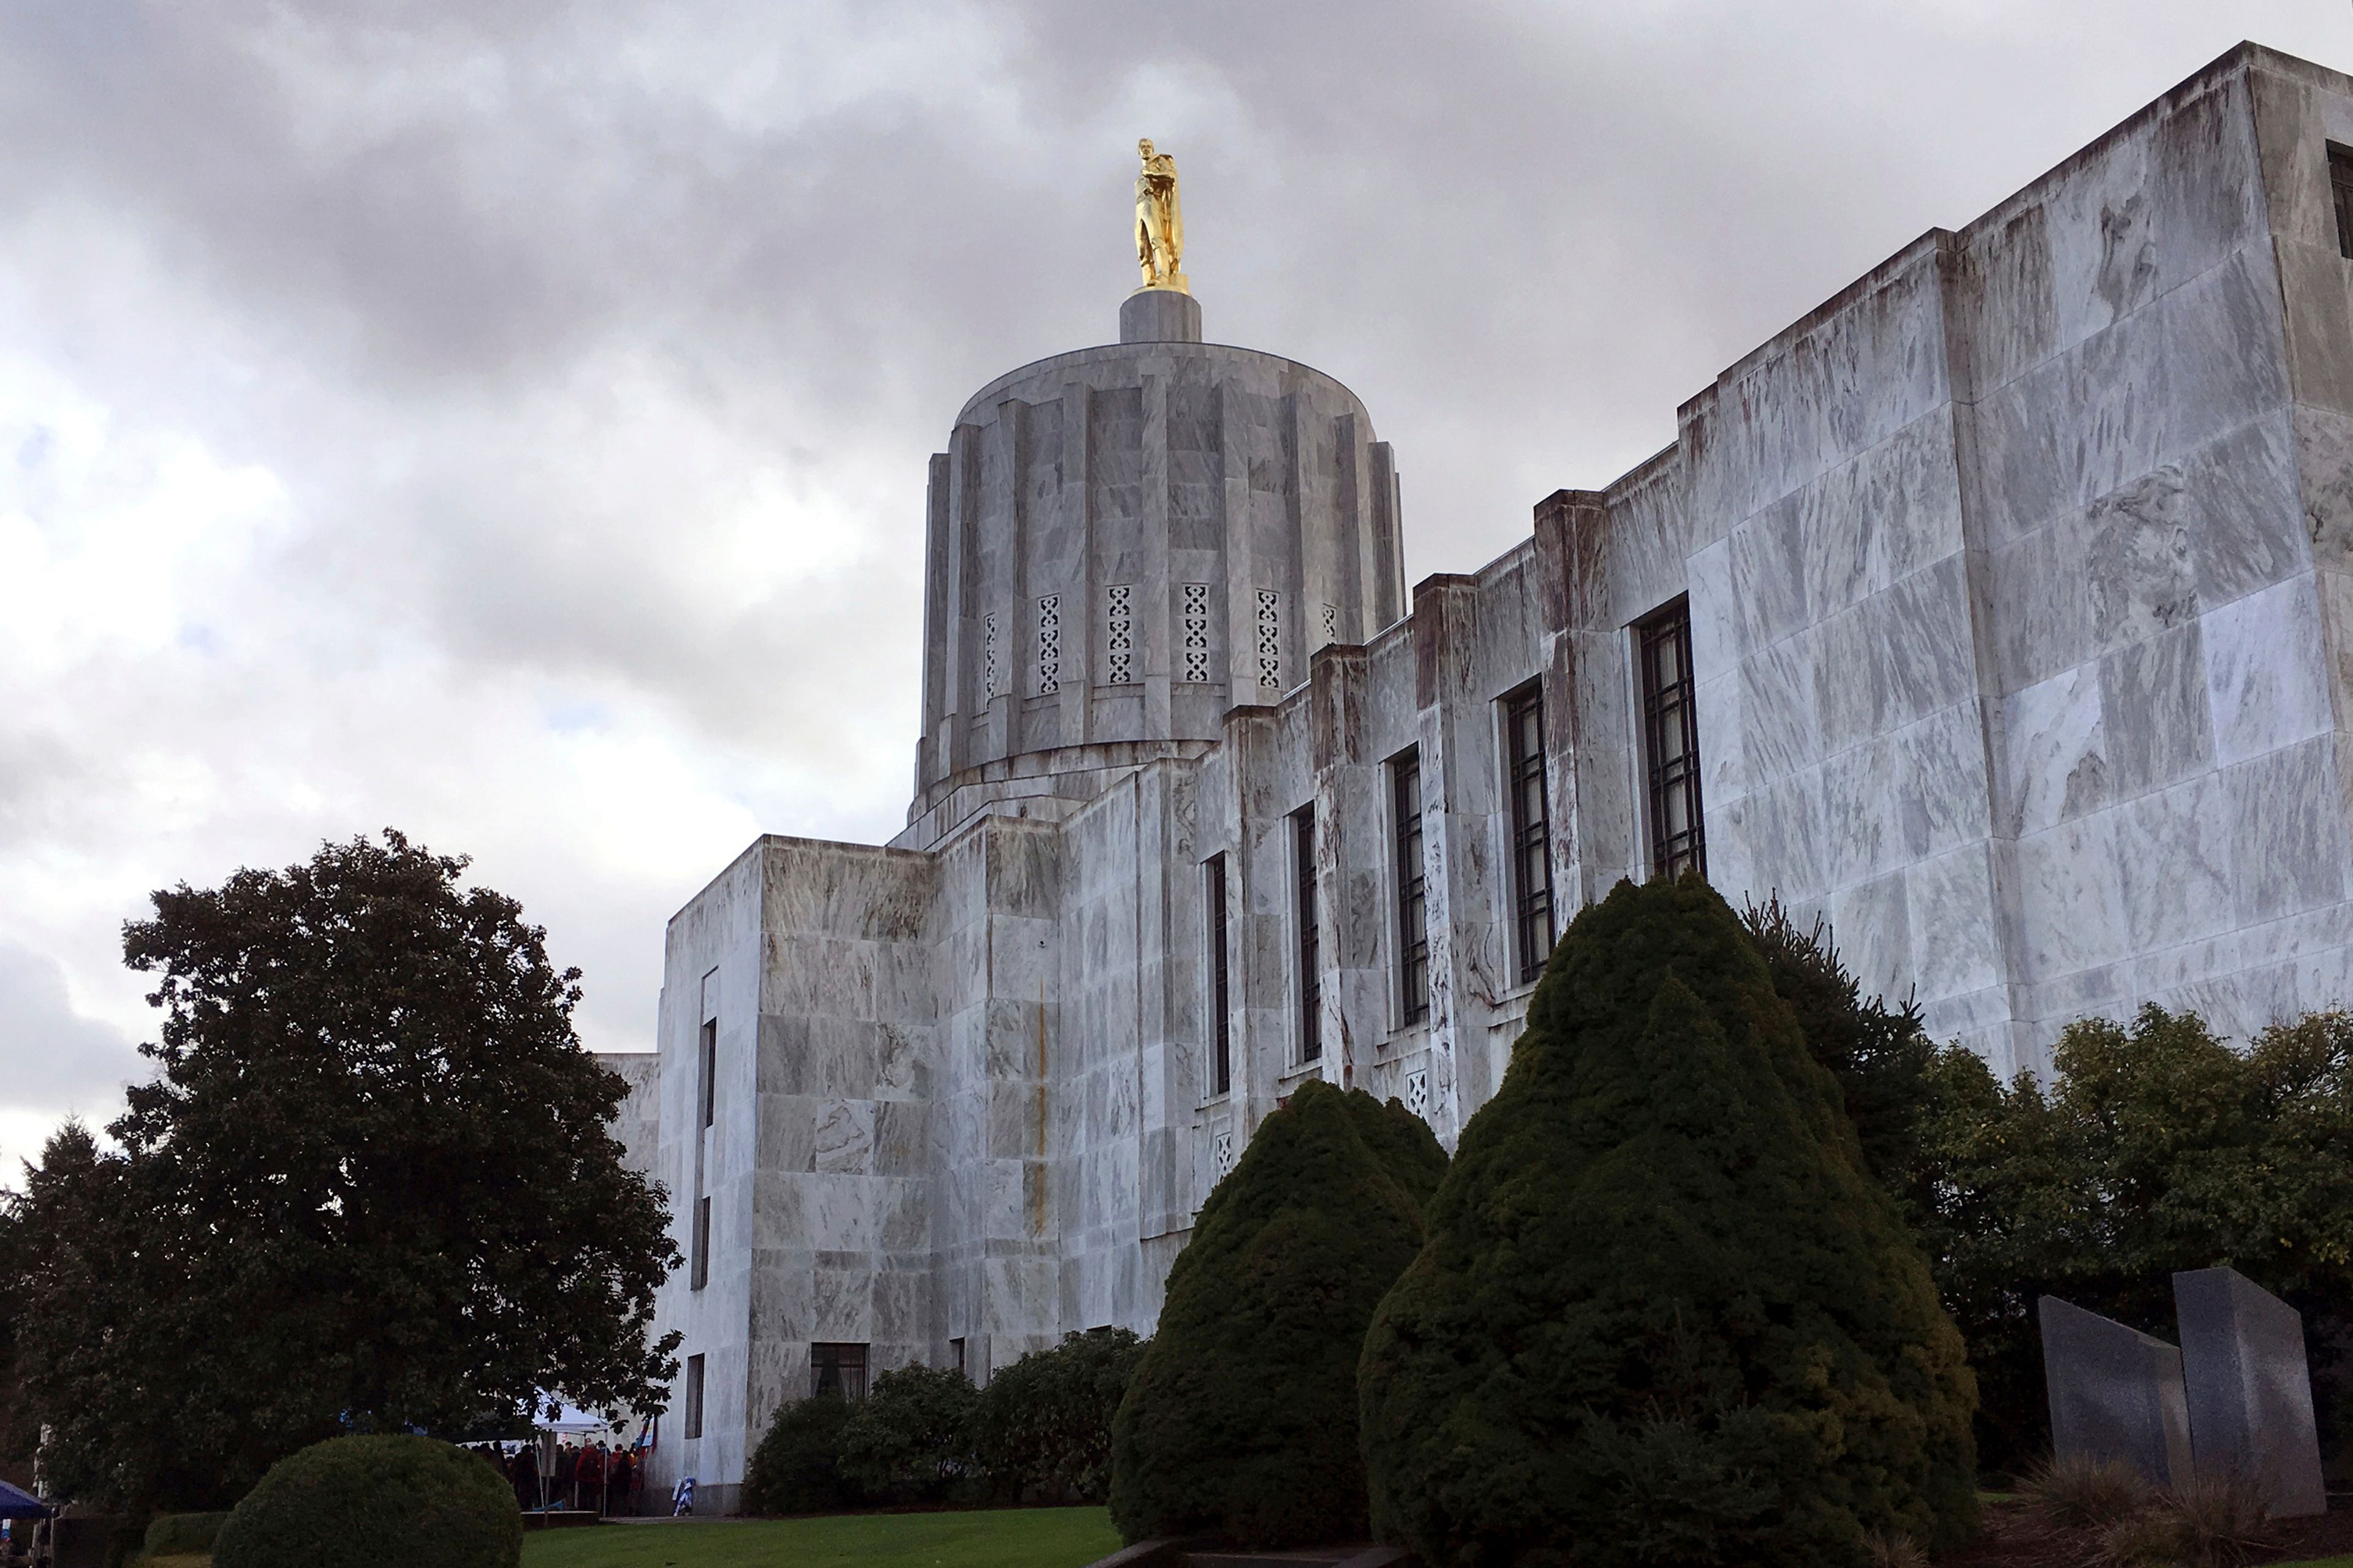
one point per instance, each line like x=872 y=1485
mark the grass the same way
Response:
x=996 y=1538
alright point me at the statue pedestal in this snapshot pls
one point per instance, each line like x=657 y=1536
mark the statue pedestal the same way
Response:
x=1160 y=316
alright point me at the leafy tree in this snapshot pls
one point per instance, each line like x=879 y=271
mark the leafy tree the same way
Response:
x=911 y=1438
x=1043 y=1430
x=797 y=1469
x=1663 y=1315
x=370 y=1189
x=2155 y=1147
x=1241 y=1415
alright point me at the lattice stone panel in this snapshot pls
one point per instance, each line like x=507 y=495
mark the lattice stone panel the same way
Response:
x=1416 y=1092
x=1332 y=623
x=1221 y=1154
x=988 y=654
x=1049 y=644
x=1193 y=618
x=1119 y=633
x=1270 y=639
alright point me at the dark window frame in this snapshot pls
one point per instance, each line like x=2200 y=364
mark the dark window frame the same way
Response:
x=694 y=1396
x=842 y=1364
x=1412 y=888
x=700 y=1275
x=1222 y=1021
x=1671 y=756
x=1311 y=947
x=1531 y=827
x=709 y=1072
x=2340 y=186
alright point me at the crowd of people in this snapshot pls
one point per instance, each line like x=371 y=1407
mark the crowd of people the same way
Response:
x=604 y=1478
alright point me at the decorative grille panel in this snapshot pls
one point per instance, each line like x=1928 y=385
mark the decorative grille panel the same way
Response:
x=1049 y=644
x=1119 y=633
x=1195 y=618
x=988 y=655
x=1416 y=1092
x=1270 y=639
x=1221 y=1154
x=1332 y=623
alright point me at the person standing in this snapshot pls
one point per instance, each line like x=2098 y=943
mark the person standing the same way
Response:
x=620 y=1479
x=588 y=1478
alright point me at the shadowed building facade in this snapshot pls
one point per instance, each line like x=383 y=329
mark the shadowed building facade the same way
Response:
x=2000 y=611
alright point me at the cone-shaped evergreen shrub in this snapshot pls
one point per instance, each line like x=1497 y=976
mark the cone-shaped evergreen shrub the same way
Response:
x=1663 y=1315
x=1240 y=1419
x=391 y=1501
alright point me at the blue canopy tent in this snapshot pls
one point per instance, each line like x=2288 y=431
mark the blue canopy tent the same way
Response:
x=15 y=1504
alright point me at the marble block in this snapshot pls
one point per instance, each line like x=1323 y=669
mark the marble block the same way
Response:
x=2249 y=1391
x=2115 y=1393
x=1159 y=316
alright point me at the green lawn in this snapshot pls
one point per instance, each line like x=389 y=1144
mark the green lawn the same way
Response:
x=1001 y=1538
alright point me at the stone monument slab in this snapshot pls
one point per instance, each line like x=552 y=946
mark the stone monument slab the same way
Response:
x=2115 y=1393
x=2249 y=1387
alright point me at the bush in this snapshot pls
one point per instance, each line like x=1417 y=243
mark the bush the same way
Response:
x=910 y=1439
x=2084 y=1494
x=1663 y=1314
x=797 y=1469
x=375 y=1502
x=183 y=1534
x=1241 y=1416
x=1043 y=1431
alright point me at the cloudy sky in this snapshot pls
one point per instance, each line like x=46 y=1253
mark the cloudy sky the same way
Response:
x=507 y=421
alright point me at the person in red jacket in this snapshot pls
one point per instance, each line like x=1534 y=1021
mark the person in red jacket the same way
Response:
x=588 y=1478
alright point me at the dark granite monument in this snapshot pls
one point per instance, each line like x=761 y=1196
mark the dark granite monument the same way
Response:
x=2249 y=1391
x=2115 y=1393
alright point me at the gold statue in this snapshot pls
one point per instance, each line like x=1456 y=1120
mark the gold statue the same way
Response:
x=1159 y=225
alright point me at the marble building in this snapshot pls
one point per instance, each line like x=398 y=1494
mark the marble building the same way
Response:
x=2000 y=610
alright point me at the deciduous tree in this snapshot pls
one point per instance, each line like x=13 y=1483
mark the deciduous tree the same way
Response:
x=371 y=1188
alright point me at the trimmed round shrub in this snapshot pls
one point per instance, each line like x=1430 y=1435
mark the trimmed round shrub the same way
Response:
x=375 y=1502
x=910 y=1440
x=1240 y=1419
x=183 y=1534
x=1044 y=1427
x=797 y=1469
x=1663 y=1314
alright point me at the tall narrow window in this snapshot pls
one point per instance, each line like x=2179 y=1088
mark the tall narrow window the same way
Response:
x=2340 y=181
x=838 y=1369
x=710 y=1070
x=1671 y=742
x=1412 y=910
x=1221 y=1038
x=699 y=1273
x=1310 y=991
x=1531 y=828
x=694 y=1396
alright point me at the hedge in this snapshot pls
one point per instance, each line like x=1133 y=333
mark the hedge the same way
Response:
x=1242 y=1417
x=375 y=1502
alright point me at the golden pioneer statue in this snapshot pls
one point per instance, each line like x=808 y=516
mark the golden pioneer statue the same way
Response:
x=1159 y=225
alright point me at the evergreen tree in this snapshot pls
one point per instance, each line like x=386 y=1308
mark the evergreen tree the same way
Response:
x=1663 y=1314
x=1240 y=1418
x=1881 y=1055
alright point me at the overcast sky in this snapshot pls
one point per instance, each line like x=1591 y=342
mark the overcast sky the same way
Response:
x=508 y=422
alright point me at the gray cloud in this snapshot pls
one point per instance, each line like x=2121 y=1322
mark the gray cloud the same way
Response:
x=509 y=420
x=57 y=1059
